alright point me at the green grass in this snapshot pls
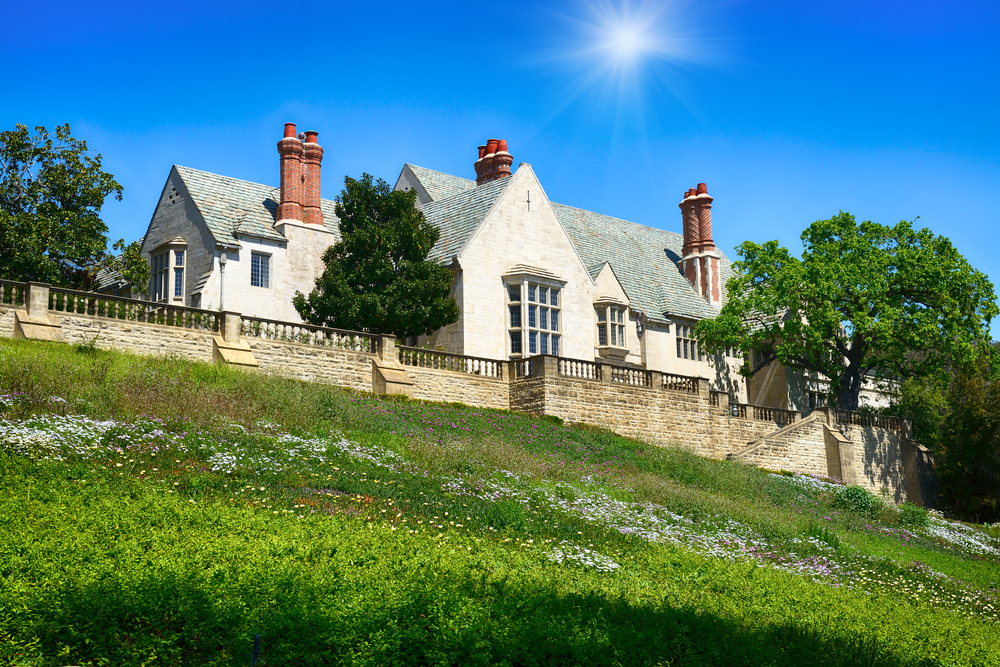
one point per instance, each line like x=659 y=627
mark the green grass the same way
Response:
x=431 y=535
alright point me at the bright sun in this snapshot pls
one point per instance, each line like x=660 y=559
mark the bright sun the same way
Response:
x=625 y=50
x=627 y=41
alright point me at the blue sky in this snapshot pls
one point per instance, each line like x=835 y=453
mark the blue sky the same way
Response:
x=790 y=111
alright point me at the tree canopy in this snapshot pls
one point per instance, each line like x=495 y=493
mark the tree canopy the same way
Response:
x=377 y=277
x=968 y=456
x=895 y=302
x=51 y=193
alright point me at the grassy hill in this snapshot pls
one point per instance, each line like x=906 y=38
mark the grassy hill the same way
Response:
x=155 y=511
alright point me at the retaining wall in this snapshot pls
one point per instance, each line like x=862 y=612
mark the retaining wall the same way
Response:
x=688 y=416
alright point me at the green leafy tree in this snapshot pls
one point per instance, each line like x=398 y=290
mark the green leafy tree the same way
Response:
x=377 y=277
x=968 y=457
x=130 y=265
x=51 y=193
x=897 y=302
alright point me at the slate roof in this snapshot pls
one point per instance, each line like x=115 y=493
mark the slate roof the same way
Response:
x=458 y=215
x=231 y=206
x=644 y=258
x=440 y=185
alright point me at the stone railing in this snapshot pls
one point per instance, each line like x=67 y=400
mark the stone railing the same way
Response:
x=596 y=371
x=865 y=419
x=448 y=361
x=61 y=300
x=578 y=368
x=684 y=383
x=637 y=377
x=12 y=293
x=524 y=368
x=762 y=413
x=307 y=334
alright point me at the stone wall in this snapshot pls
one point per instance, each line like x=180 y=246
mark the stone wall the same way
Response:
x=137 y=337
x=801 y=448
x=655 y=415
x=310 y=363
x=879 y=457
x=430 y=384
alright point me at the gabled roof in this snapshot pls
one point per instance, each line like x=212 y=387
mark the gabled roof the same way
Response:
x=440 y=185
x=457 y=216
x=643 y=258
x=231 y=206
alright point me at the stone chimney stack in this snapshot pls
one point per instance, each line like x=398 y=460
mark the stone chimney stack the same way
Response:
x=700 y=261
x=290 y=150
x=494 y=161
x=312 y=160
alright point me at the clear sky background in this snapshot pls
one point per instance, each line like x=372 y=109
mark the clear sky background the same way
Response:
x=790 y=111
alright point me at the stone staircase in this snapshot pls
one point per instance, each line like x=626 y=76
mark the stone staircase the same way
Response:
x=811 y=445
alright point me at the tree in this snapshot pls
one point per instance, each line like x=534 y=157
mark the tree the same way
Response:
x=377 y=277
x=891 y=301
x=51 y=193
x=968 y=458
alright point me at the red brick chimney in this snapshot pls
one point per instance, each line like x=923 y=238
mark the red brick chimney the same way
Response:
x=494 y=161
x=290 y=149
x=700 y=261
x=313 y=157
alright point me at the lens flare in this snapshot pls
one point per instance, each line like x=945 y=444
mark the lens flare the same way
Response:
x=621 y=52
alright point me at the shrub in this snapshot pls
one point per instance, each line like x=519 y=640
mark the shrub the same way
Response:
x=913 y=515
x=858 y=500
x=507 y=514
x=823 y=535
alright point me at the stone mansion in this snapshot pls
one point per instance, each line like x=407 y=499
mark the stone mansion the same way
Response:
x=531 y=276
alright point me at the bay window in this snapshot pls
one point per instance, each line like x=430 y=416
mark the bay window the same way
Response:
x=533 y=325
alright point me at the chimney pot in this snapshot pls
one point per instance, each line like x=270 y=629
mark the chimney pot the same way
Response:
x=502 y=146
x=491 y=146
x=311 y=137
x=289 y=130
x=482 y=152
x=702 y=189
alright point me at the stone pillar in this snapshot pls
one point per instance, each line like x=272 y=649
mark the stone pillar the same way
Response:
x=230 y=328
x=385 y=347
x=604 y=373
x=547 y=365
x=229 y=346
x=388 y=375
x=37 y=301
x=37 y=323
x=704 y=389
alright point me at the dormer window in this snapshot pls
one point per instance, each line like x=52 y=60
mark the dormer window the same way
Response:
x=612 y=342
x=611 y=326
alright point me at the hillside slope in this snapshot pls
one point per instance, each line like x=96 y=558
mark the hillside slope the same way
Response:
x=162 y=512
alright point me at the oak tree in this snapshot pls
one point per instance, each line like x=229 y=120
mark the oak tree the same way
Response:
x=864 y=300
x=51 y=193
x=377 y=277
